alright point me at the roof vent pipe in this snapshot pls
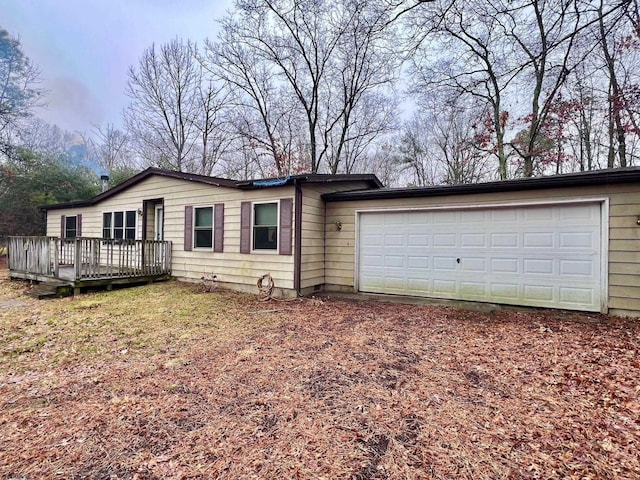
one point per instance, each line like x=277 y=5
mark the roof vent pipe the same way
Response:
x=105 y=182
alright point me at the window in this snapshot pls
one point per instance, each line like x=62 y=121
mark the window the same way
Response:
x=119 y=225
x=203 y=227
x=265 y=226
x=70 y=226
x=106 y=225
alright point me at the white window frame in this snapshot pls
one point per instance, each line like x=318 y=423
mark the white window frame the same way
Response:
x=193 y=228
x=269 y=251
x=124 y=227
x=66 y=218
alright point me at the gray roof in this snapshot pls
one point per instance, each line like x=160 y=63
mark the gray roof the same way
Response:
x=371 y=180
x=591 y=178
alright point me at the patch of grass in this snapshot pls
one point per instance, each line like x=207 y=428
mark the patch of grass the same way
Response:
x=144 y=321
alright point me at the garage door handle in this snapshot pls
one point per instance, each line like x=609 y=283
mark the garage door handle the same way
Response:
x=457 y=260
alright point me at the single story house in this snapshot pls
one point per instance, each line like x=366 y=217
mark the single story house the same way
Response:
x=568 y=241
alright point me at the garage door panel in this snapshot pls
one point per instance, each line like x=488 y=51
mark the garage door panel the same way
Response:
x=372 y=240
x=578 y=214
x=394 y=240
x=392 y=281
x=542 y=293
x=472 y=216
x=473 y=289
x=417 y=240
x=503 y=215
x=419 y=218
x=504 y=265
x=536 y=215
x=394 y=219
x=418 y=262
x=576 y=295
x=538 y=256
x=418 y=285
x=583 y=268
x=538 y=240
x=371 y=261
x=394 y=261
x=444 y=287
x=444 y=264
x=536 y=266
x=507 y=292
x=473 y=240
x=473 y=265
x=446 y=240
x=578 y=240
x=445 y=217
x=503 y=240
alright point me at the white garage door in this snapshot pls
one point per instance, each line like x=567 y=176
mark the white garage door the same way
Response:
x=547 y=256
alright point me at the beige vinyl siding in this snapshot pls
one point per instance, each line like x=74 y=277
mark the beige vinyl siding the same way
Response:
x=624 y=234
x=313 y=210
x=230 y=266
x=53 y=221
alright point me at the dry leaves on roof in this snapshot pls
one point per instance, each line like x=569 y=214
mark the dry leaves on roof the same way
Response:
x=164 y=381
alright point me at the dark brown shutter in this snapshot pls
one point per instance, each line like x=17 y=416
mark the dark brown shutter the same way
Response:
x=79 y=225
x=63 y=224
x=245 y=227
x=218 y=227
x=286 y=226
x=188 y=228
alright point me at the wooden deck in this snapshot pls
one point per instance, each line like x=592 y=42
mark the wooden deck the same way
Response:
x=85 y=262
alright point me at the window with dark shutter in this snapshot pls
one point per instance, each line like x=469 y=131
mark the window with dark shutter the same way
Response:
x=265 y=226
x=203 y=227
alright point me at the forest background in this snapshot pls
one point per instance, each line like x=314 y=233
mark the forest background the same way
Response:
x=418 y=92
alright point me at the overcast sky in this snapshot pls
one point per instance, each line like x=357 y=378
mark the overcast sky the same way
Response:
x=84 y=47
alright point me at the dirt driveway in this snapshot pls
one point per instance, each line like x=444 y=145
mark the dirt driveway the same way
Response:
x=165 y=381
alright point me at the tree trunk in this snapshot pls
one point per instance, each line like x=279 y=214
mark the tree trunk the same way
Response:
x=615 y=100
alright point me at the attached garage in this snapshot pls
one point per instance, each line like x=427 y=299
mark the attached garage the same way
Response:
x=566 y=241
x=535 y=255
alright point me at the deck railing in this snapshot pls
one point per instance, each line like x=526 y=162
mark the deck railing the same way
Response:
x=86 y=258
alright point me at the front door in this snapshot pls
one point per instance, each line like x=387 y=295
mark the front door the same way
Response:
x=158 y=234
x=159 y=223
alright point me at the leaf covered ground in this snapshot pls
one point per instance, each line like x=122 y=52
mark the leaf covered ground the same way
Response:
x=165 y=381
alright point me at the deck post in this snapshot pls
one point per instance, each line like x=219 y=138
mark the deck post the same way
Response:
x=78 y=258
x=56 y=255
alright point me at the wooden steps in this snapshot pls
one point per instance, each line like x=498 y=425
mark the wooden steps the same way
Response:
x=51 y=290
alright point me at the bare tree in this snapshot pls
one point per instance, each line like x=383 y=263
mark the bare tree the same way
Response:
x=473 y=59
x=109 y=148
x=213 y=124
x=617 y=34
x=516 y=57
x=43 y=138
x=175 y=117
x=262 y=110
x=18 y=85
x=329 y=56
x=413 y=155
